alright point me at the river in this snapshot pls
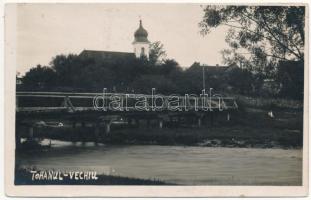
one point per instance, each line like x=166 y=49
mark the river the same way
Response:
x=185 y=165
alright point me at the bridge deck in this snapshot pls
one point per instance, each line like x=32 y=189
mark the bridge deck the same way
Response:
x=79 y=102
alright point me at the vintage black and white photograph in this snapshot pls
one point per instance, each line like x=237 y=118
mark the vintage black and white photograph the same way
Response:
x=159 y=94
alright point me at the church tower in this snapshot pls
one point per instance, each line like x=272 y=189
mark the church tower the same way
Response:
x=141 y=43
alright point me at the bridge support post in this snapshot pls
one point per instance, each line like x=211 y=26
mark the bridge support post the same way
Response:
x=30 y=132
x=83 y=124
x=160 y=123
x=96 y=131
x=212 y=118
x=178 y=121
x=228 y=116
x=129 y=121
x=107 y=127
x=204 y=120
x=199 y=122
x=74 y=124
x=137 y=122
x=148 y=123
x=73 y=131
x=17 y=140
x=16 y=103
x=83 y=132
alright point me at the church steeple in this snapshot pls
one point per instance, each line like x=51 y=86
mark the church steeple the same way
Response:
x=141 y=42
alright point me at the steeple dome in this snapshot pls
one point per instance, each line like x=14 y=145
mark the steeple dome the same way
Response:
x=141 y=43
x=141 y=34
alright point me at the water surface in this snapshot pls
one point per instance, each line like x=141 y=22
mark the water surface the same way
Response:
x=175 y=164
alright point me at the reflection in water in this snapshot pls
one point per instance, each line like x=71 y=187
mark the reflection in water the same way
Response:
x=175 y=164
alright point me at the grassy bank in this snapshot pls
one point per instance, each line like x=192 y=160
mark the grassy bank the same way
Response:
x=236 y=136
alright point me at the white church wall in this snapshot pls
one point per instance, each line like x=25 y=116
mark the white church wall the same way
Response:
x=138 y=48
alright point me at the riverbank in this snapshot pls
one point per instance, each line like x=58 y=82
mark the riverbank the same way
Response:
x=233 y=136
x=249 y=127
x=229 y=136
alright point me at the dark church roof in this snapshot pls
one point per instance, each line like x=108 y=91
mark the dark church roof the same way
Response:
x=141 y=35
x=106 y=55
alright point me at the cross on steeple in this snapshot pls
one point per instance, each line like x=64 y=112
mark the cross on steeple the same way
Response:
x=140 y=22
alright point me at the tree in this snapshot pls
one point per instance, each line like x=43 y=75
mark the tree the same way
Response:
x=64 y=66
x=157 y=53
x=258 y=36
x=40 y=76
x=291 y=79
x=240 y=85
x=162 y=84
x=168 y=66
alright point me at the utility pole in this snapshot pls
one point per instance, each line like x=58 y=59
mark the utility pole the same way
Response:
x=203 y=74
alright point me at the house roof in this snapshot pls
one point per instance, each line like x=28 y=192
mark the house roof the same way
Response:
x=213 y=68
x=106 y=55
x=217 y=69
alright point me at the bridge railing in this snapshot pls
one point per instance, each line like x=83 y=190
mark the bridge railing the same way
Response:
x=43 y=101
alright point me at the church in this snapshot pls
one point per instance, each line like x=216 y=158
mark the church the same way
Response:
x=141 y=47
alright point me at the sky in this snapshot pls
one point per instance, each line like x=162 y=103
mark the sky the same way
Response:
x=47 y=30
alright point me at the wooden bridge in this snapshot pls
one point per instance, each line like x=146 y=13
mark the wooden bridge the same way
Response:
x=75 y=102
x=36 y=109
